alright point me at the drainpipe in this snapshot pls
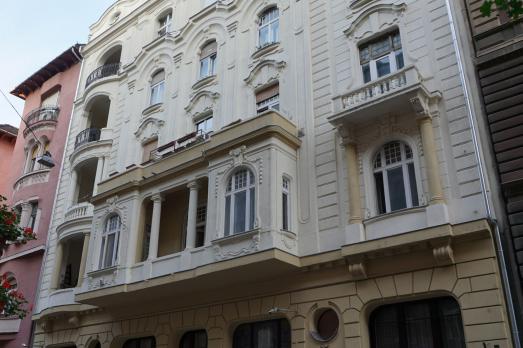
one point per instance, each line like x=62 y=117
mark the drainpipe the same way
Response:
x=481 y=169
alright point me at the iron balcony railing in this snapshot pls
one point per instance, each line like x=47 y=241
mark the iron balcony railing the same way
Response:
x=103 y=71
x=87 y=136
x=44 y=113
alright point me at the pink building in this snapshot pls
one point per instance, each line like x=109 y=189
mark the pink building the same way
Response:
x=49 y=96
x=7 y=144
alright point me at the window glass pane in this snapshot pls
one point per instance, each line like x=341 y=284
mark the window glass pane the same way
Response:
x=392 y=152
x=418 y=325
x=275 y=31
x=386 y=328
x=285 y=211
x=380 y=192
x=413 y=187
x=381 y=47
x=240 y=209
x=204 y=67
x=252 y=213
x=109 y=251
x=366 y=72
x=242 y=336
x=396 y=189
x=265 y=335
x=264 y=35
x=450 y=321
x=227 y=215
x=101 y=263
x=399 y=60
x=396 y=40
x=364 y=54
x=383 y=66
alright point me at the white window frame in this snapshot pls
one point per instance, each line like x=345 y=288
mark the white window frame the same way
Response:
x=286 y=207
x=391 y=55
x=210 y=70
x=273 y=26
x=233 y=188
x=272 y=103
x=384 y=168
x=165 y=24
x=207 y=125
x=108 y=231
x=157 y=92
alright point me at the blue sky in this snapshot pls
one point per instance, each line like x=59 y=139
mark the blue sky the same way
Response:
x=32 y=33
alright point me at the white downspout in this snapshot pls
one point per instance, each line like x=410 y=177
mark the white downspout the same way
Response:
x=481 y=169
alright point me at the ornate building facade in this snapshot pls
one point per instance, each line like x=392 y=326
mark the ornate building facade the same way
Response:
x=48 y=95
x=271 y=174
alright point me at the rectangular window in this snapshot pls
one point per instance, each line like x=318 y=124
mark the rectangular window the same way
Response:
x=208 y=60
x=398 y=199
x=381 y=57
x=34 y=213
x=165 y=24
x=204 y=126
x=286 y=204
x=268 y=98
x=157 y=93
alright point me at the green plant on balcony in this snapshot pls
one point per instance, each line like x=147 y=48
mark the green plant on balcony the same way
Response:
x=514 y=8
x=12 y=302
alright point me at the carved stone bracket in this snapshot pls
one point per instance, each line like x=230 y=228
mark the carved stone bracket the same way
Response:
x=443 y=253
x=357 y=270
x=425 y=105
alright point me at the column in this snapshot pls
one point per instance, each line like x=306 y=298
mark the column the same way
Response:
x=72 y=188
x=83 y=261
x=58 y=255
x=155 y=227
x=98 y=176
x=431 y=160
x=191 y=215
x=353 y=183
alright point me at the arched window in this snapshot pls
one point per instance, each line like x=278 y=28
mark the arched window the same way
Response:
x=429 y=323
x=157 y=87
x=194 y=339
x=32 y=159
x=11 y=280
x=269 y=27
x=395 y=178
x=266 y=334
x=110 y=240
x=208 y=59
x=239 y=202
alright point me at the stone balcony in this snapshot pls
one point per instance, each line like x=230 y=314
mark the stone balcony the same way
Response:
x=43 y=118
x=403 y=88
x=77 y=220
x=32 y=178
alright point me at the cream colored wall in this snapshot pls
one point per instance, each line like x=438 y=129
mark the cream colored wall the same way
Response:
x=473 y=280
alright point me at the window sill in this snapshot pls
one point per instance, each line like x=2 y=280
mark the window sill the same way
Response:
x=204 y=82
x=265 y=49
x=236 y=237
x=152 y=109
x=395 y=213
x=103 y=271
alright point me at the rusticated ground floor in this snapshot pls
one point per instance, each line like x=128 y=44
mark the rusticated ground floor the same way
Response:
x=426 y=288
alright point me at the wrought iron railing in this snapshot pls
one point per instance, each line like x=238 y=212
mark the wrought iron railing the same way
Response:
x=44 y=113
x=184 y=142
x=86 y=136
x=103 y=71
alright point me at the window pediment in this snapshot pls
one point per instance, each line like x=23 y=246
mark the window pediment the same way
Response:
x=264 y=73
x=148 y=129
x=375 y=19
x=202 y=103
